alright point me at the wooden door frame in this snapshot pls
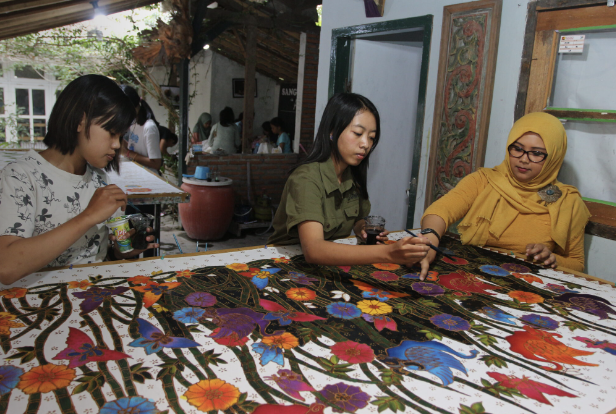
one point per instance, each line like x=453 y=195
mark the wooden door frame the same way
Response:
x=534 y=7
x=340 y=61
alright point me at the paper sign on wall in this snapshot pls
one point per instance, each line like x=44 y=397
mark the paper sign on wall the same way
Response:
x=571 y=44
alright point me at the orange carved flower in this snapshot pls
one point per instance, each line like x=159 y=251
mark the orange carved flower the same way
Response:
x=282 y=260
x=81 y=284
x=286 y=340
x=526 y=297
x=14 y=293
x=386 y=266
x=528 y=278
x=212 y=395
x=238 y=267
x=301 y=294
x=6 y=323
x=46 y=378
x=139 y=279
x=185 y=273
x=374 y=307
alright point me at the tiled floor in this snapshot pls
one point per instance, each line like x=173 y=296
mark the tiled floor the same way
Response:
x=169 y=227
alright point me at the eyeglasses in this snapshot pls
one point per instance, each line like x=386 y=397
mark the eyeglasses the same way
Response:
x=533 y=156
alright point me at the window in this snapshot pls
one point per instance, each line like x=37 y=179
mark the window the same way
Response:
x=28 y=72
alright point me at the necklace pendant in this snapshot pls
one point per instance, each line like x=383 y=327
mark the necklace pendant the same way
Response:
x=550 y=193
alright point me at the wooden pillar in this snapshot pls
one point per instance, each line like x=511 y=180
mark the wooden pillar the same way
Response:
x=183 y=133
x=299 y=100
x=249 y=87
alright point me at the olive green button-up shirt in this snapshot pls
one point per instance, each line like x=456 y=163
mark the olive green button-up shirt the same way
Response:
x=312 y=193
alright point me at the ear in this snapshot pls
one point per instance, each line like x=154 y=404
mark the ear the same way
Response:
x=82 y=125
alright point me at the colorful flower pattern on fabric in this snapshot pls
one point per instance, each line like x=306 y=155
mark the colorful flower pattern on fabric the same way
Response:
x=212 y=395
x=450 y=322
x=353 y=352
x=540 y=322
x=80 y=349
x=9 y=378
x=346 y=397
x=494 y=270
x=132 y=405
x=46 y=378
x=201 y=299
x=343 y=310
x=7 y=323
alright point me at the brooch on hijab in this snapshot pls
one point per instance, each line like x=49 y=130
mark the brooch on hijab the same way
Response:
x=550 y=193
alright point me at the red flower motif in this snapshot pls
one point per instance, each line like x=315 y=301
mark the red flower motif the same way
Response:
x=466 y=282
x=385 y=276
x=253 y=271
x=458 y=261
x=231 y=340
x=185 y=273
x=353 y=352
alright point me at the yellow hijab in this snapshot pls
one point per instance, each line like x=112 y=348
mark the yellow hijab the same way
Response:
x=505 y=197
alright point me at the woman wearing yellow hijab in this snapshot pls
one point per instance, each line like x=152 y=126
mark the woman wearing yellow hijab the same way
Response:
x=518 y=205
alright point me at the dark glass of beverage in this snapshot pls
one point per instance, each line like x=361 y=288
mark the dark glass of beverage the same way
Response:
x=374 y=226
x=140 y=223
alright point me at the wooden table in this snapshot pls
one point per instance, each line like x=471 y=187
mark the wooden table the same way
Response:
x=144 y=187
x=261 y=326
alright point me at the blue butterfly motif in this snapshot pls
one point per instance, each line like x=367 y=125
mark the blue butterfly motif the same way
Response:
x=154 y=339
x=261 y=279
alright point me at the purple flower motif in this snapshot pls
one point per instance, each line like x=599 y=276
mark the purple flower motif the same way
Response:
x=239 y=321
x=515 y=268
x=343 y=310
x=348 y=398
x=428 y=289
x=291 y=383
x=95 y=296
x=301 y=278
x=450 y=322
x=559 y=289
x=582 y=302
x=540 y=322
x=201 y=299
x=494 y=270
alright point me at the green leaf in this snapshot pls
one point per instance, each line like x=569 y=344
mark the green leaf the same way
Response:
x=428 y=302
x=431 y=334
x=481 y=328
x=390 y=377
x=487 y=340
x=576 y=325
x=334 y=359
x=494 y=360
x=80 y=388
x=212 y=358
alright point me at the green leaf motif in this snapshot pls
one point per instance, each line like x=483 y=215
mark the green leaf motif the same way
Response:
x=494 y=360
x=576 y=325
x=212 y=358
x=388 y=403
x=486 y=339
x=431 y=335
x=390 y=377
x=476 y=408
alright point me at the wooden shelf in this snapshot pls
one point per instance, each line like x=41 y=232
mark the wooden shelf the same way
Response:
x=603 y=220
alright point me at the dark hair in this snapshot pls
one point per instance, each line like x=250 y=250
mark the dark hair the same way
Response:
x=227 y=117
x=145 y=112
x=278 y=122
x=165 y=133
x=266 y=127
x=101 y=101
x=240 y=117
x=338 y=114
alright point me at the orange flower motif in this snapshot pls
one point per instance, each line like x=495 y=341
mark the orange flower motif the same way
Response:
x=286 y=340
x=301 y=294
x=6 y=323
x=14 y=293
x=386 y=266
x=528 y=278
x=374 y=307
x=82 y=284
x=185 y=273
x=46 y=378
x=153 y=291
x=139 y=279
x=282 y=260
x=212 y=395
x=526 y=297
x=238 y=267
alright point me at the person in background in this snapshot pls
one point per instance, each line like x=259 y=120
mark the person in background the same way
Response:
x=202 y=129
x=143 y=140
x=54 y=204
x=283 y=141
x=326 y=197
x=518 y=205
x=167 y=140
x=239 y=123
x=263 y=139
x=225 y=135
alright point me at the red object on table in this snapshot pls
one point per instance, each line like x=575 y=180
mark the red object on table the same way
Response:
x=210 y=210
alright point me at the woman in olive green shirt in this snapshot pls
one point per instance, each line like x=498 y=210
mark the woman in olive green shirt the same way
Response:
x=326 y=197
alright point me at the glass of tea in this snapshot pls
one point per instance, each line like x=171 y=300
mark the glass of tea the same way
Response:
x=374 y=226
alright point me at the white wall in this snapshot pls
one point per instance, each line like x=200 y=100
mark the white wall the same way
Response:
x=396 y=99
x=266 y=102
x=200 y=80
x=343 y=13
